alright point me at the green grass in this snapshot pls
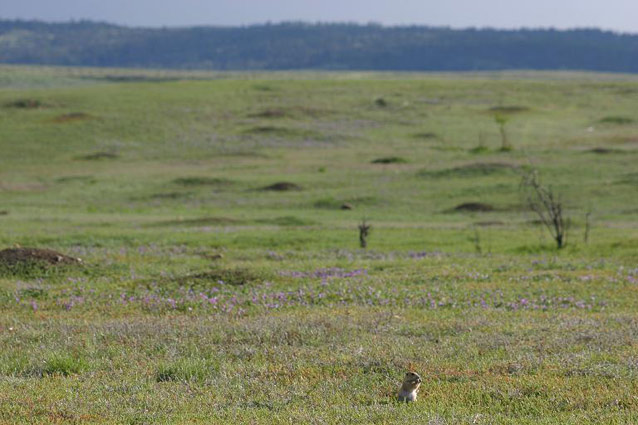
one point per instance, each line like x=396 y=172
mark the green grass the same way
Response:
x=203 y=298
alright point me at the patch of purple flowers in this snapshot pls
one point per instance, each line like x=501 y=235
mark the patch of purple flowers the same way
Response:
x=326 y=273
x=230 y=300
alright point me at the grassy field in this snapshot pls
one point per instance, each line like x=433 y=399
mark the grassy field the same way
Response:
x=205 y=295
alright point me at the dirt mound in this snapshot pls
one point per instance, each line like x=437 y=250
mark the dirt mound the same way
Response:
x=269 y=113
x=73 y=116
x=604 y=150
x=489 y=223
x=202 y=181
x=389 y=160
x=284 y=132
x=282 y=187
x=97 y=156
x=426 y=135
x=269 y=129
x=235 y=277
x=474 y=207
x=476 y=169
x=286 y=221
x=15 y=256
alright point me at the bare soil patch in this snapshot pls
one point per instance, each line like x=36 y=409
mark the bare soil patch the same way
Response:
x=72 y=117
x=98 y=156
x=474 y=207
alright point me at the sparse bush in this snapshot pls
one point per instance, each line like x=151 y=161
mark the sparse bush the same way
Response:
x=364 y=232
x=380 y=102
x=475 y=238
x=587 y=227
x=501 y=120
x=547 y=205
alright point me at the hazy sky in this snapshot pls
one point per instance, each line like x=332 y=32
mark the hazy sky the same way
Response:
x=619 y=15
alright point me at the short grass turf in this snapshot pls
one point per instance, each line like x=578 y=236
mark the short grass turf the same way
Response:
x=222 y=281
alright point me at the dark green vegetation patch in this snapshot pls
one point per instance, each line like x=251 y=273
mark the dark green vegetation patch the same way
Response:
x=616 y=119
x=26 y=104
x=472 y=170
x=202 y=181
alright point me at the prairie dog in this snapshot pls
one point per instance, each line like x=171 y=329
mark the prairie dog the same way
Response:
x=411 y=384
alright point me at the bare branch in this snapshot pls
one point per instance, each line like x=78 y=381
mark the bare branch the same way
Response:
x=547 y=205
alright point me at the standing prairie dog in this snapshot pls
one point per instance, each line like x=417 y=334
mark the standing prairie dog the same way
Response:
x=411 y=384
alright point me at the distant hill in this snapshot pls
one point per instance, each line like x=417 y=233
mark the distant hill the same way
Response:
x=290 y=46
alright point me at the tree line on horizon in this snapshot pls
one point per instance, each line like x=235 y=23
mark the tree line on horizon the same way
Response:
x=295 y=46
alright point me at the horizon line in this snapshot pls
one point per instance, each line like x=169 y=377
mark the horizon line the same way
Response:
x=319 y=23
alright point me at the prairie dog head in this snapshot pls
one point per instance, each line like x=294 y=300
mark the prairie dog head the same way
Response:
x=411 y=381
